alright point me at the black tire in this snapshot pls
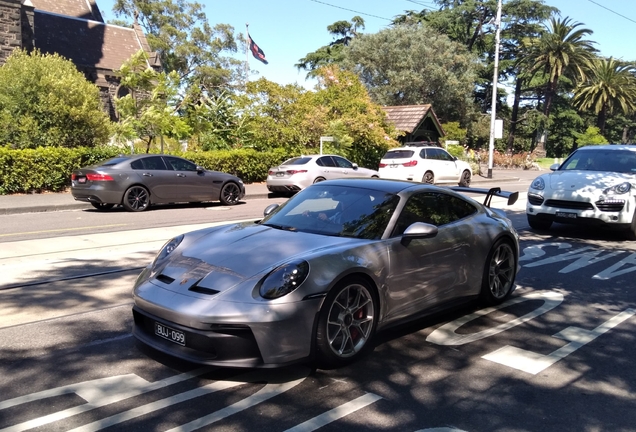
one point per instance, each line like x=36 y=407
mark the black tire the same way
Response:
x=539 y=224
x=136 y=199
x=102 y=206
x=347 y=323
x=465 y=179
x=230 y=194
x=375 y=176
x=631 y=231
x=500 y=270
x=428 y=178
x=319 y=179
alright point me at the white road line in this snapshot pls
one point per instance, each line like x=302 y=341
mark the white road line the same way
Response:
x=336 y=413
x=97 y=393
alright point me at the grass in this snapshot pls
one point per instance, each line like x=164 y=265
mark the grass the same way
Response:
x=545 y=163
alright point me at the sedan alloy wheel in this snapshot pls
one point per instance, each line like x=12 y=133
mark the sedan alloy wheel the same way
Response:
x=230 y=193
x=136 y=199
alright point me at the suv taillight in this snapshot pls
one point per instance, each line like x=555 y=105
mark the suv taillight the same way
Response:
x=382 y=165
x=410 y=163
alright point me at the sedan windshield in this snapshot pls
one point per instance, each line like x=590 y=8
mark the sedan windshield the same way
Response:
x=610 y=160
x=337 y=211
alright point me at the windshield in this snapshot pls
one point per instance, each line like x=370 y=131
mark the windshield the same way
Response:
x=336 y=210
x=297 y=161
x=398 y=154
x=610 y=160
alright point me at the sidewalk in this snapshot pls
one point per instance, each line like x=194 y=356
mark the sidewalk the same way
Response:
x=47 y=202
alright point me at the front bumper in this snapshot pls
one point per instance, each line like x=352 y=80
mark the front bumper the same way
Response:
x=571 y=209
x=230 y=334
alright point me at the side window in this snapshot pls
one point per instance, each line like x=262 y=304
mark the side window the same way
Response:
x=434 y=154
x=154 y=163
x=423 y=154
x=433 y=208
x=181 y=164
x=443 y=155
x=137 y=165
x=326 y=161
x=342 y=162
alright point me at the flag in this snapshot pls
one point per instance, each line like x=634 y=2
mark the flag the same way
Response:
x=256 y=51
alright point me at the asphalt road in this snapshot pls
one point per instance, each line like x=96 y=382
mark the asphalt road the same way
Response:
x=557 y=357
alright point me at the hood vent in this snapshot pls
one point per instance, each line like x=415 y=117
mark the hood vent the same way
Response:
x=201 y=290
x=165 y=279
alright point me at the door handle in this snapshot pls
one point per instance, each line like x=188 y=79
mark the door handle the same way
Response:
x=181 y=175
x=147 y=175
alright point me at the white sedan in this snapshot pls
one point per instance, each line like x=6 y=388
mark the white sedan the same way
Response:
x=595 y=185
x=299 y=172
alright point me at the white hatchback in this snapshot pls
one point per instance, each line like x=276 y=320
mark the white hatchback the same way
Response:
x=428 y=164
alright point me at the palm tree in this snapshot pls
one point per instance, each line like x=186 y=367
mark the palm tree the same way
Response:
x=561 y=51
x=611 y=84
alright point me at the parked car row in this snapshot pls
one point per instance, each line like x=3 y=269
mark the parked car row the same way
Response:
x=138 y=181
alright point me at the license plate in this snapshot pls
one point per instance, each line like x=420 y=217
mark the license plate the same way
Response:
x=280 y=174
x=81 y=179
x=170 y=334
x=566 y=215
x=393 y=166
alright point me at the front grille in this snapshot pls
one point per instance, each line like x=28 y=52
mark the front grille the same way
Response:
x=610 y=205
x=535 y=199
x=573 y=205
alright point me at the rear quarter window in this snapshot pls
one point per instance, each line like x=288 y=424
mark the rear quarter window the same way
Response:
x=112 y=161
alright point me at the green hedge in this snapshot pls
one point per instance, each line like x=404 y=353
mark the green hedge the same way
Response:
x=49 y=169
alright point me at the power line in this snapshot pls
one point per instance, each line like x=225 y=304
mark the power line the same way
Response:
x=351 y=10
x=614 y=12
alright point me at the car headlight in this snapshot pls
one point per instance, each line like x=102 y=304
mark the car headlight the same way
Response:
x=283 y=280
x=538 y=184
x=167 y=248
x=619 y=189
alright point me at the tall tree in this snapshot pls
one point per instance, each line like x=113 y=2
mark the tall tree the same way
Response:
x=343 y=32
x=611 y=84
x=413 y=64
x=179 y=31
x=562 y=50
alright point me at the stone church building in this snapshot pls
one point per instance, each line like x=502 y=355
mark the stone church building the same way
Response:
x=75 y=30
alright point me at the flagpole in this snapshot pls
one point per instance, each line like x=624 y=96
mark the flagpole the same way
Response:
x=247 y=53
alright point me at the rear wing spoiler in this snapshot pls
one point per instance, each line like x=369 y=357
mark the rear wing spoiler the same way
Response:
x=496 y=191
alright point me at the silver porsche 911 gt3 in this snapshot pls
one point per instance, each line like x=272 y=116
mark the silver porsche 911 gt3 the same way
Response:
x=319 y=275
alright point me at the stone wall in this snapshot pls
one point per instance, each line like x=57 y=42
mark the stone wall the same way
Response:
x=10 y=28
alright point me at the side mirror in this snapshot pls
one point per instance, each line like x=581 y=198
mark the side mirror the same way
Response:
x=200 y=169
x=418 y=230
x=270 y=208
x=355 y=166
x=554 y=167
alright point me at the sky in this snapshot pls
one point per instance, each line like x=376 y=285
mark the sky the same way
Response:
x=287 y=30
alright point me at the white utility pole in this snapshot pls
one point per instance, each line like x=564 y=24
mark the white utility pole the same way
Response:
x=493 y=110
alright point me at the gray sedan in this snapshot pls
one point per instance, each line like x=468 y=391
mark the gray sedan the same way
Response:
x=137 y=181
x=319 y=275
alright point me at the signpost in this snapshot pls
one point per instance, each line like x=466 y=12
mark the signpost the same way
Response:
x=324 y=139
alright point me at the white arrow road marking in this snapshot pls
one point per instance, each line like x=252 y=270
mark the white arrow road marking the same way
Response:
x=335 y=414
x=96 y=393
x=446 y=334
x=534 y=363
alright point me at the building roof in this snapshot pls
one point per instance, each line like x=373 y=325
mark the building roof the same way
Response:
x=86 y=43
x=407 y=117
x=86 y=9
